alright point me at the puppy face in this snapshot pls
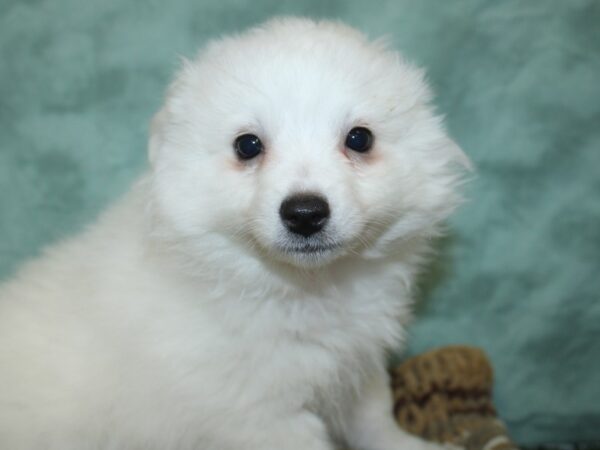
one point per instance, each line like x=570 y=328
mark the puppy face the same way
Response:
x=303 y=142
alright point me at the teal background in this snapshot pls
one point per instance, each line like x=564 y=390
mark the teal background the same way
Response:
x=519 y=82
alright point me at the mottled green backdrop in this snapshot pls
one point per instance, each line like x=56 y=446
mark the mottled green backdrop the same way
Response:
x=519 y=82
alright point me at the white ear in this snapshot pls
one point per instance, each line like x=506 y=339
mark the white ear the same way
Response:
x=156 y=135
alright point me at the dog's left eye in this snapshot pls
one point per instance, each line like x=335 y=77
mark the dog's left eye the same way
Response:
x=359 y=139
x=248 y=146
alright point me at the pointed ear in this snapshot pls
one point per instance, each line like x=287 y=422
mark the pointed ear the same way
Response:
x=156 y=135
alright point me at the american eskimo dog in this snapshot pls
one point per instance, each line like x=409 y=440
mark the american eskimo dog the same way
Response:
x=244 y=294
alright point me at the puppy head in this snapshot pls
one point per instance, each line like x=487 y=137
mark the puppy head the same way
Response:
x=304 y=142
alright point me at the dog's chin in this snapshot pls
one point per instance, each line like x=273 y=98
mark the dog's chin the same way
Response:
x=308 y=252
x=310 y=256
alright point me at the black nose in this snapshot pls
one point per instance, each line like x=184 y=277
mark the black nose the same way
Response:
x=304 y=214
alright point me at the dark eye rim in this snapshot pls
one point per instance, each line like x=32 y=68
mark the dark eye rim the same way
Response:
x=237 y=146
x=370 y=139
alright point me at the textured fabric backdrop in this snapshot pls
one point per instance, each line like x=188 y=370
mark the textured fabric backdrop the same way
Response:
x=519 y=83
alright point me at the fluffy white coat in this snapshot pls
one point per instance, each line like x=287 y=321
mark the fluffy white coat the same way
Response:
x=180 y=321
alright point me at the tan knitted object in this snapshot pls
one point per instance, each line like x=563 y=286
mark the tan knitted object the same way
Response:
x=445 y=395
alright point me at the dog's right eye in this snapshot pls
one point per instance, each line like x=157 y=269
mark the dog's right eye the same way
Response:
x=248 y=146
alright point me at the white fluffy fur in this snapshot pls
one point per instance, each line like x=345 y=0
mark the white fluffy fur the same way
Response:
x=177 y=322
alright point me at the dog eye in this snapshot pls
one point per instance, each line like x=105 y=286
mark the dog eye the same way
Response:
x=248 y=146
x=359 y=139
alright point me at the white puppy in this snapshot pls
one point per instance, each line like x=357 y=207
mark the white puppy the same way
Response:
x=244 y=294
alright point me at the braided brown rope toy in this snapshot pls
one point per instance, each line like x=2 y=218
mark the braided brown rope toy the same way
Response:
x=445 y=395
